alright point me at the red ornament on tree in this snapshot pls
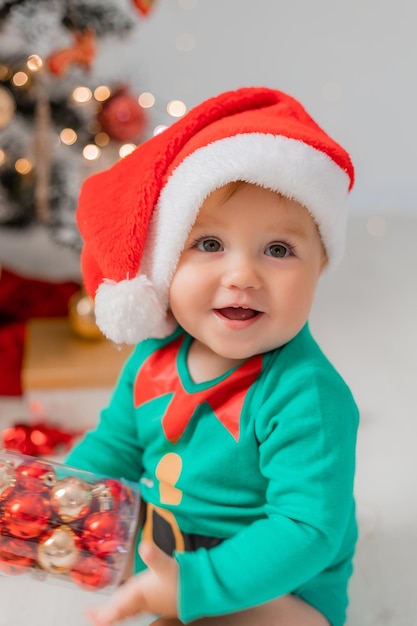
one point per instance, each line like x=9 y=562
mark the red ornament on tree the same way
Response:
x=25 y=514
x=144 y=6
x=16 y=555
x=81 y=53
x=122 y=117
x=91 y=572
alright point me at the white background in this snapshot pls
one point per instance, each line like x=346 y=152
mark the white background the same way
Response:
x=352 y=64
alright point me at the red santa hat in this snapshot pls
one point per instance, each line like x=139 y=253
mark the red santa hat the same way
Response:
x=135 y=217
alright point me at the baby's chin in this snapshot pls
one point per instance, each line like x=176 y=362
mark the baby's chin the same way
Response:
x=240 y=353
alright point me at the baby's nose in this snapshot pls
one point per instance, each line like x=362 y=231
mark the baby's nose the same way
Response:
x=241 y=273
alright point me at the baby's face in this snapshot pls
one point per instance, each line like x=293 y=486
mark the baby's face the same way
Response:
x=246 y=278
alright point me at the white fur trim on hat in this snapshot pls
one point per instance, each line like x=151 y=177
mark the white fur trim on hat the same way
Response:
x=290 y=167
x=130 y=311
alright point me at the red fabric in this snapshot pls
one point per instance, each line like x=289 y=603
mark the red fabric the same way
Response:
x=12 y=339
x=22 y=299
x=158 y=376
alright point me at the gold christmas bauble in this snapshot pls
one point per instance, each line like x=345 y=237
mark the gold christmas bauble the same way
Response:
x=81 y=316
x=71 y=498
x=58 y=550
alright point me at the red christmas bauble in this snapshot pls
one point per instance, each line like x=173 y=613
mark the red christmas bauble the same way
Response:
x=71 y=498
x=16 y=555
x=91 y=572
x=101 y=533
x=37 y=477
x=37 y=439
x=25 y=514
x=58 y=550
x=121 y=117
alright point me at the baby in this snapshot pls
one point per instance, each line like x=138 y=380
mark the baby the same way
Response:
x=204 y=247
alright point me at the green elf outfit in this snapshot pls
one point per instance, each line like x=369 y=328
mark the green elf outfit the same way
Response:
x=248 y=478
x=255 y=469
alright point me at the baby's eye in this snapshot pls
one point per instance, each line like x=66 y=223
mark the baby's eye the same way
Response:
x=209 y=245
x=278 y=250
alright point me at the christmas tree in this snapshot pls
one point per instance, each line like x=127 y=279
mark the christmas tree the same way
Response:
x=57 y=123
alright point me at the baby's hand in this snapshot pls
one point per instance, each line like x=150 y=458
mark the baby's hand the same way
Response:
x=151 y=591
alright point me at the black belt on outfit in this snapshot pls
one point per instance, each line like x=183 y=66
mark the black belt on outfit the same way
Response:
x=161 y=528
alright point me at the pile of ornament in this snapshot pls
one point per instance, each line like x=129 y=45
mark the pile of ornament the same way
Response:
x=56 y=520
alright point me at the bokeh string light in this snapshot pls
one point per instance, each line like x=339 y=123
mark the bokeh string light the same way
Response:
x=34 y=62
x=23 y=166
x=82 y=95
x=20 y=79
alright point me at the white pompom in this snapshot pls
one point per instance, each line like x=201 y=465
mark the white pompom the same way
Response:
x=130 y=311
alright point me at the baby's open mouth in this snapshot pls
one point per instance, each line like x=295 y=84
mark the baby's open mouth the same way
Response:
x=237 y=313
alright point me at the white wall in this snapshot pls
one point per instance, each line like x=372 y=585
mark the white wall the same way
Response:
x=352 y=64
